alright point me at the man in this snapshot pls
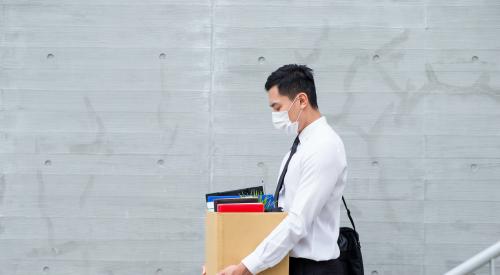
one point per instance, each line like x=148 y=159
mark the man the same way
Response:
x=312 y=178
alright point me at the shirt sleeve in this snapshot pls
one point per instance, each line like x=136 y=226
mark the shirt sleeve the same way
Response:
x=320 y=171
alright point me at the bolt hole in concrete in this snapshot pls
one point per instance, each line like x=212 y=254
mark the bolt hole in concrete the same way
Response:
x=374 y=163
x=162 y=56
x=46 y=269
x=374 y=272
x=50 y=56
x=261 y=59
x=48 y=162
x=160 y=162
x=375 y=57
x=475 y=58
x=159 y=271
x=474 y=167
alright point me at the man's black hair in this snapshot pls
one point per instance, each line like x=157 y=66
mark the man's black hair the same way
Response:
x=293 y=79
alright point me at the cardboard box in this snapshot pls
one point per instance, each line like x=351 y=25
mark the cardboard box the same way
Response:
x=230 y=237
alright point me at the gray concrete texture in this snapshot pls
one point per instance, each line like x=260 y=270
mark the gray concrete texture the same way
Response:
x=116 y=117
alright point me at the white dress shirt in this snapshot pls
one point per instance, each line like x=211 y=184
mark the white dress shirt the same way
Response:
x=311 y=194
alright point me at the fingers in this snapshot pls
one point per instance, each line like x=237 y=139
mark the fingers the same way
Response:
x=204 y=271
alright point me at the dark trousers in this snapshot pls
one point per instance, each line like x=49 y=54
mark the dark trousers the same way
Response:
x=302 y=266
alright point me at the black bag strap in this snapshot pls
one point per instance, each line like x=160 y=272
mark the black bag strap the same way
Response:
x=349 y=214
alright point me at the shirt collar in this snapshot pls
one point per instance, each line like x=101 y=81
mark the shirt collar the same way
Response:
x=309 y=130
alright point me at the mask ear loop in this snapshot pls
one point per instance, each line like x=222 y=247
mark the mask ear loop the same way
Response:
x=299 y=116
x=293 y=102
x=299 y=112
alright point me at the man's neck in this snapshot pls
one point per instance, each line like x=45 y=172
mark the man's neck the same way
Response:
x=310 y=118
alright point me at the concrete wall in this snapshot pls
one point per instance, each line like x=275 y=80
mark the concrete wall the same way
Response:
x=117 y=116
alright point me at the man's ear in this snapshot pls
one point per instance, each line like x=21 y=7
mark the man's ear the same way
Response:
x=303 y=99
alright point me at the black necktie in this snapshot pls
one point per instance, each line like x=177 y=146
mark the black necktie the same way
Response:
x=283 y=173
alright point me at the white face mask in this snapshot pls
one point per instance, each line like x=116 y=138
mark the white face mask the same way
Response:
x=281 y=121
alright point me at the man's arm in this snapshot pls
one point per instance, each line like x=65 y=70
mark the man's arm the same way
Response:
x=320 y=172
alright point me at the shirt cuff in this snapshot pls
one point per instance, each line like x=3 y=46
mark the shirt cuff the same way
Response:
x=253 y=264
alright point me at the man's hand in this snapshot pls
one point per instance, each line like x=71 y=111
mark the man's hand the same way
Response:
x=203 y=270
x=240 y=269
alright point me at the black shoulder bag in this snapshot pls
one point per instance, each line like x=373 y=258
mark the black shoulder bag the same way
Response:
x=350 y=248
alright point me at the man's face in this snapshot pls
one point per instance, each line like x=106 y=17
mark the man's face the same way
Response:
x=279 y=103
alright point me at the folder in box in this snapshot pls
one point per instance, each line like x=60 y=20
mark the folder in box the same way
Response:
x=212 y=198
x=241 y=207
x=234 y=200
x=238 y=192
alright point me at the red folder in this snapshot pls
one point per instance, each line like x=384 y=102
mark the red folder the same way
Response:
x=241 y=207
